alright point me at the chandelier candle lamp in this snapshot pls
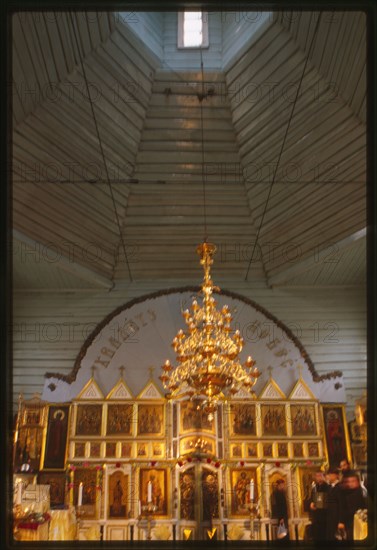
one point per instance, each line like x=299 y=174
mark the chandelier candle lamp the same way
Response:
x=208 y=368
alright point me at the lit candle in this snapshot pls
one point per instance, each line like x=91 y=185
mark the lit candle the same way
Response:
x=79 y=501
x=149 y=488
x=19 y=493
x=252 y=490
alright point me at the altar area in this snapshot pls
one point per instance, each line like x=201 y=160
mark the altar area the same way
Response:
x=120 y=464
x=145 y=467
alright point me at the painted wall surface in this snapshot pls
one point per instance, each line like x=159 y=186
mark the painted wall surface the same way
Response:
x=50 y=329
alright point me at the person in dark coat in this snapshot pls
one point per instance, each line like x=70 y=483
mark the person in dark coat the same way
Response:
x=279 y=508
x=352 y=499
x=334 y=496
x=318 y=507
x=344 y=468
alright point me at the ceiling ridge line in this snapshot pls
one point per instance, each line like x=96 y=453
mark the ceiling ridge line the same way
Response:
x=101 y=147
x=283 y=143
x=324 y=78
x=44 y=96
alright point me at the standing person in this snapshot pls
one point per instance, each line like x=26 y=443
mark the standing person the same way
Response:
x=352 y=499
x=318 y=507
x=344 y=466
x=334 y=496
x=279 y=508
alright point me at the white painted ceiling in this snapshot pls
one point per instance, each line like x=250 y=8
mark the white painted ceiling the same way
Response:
x=309 y=225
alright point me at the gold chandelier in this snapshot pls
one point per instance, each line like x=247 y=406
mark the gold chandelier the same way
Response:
x=207 y=353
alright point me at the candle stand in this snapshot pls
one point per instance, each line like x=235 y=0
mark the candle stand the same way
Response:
x=254 y=515
x=147 y=513
x=80 y=512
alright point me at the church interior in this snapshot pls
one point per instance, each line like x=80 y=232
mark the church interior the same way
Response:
x=189 y=282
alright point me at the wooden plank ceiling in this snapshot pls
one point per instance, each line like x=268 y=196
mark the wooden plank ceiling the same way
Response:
x=149 y=122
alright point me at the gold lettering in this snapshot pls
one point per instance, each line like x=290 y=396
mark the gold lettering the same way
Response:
x=140 y=317
x=103 y=363
x=129 y=329
x=107 y=351
x=114 y=343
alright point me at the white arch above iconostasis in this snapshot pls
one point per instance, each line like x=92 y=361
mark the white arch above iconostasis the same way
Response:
x=138 y=336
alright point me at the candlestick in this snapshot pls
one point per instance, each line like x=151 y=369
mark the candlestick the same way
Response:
x=251 y=490
x=139 y=508
x=149 y=488
x=79 y=501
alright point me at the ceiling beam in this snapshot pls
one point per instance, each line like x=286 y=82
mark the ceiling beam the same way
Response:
x=67 y=264
x=311 y=262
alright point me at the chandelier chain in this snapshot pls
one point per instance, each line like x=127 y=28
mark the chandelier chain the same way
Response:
x=201 y=99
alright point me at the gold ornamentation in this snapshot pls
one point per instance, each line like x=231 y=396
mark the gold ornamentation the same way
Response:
x=208 y=365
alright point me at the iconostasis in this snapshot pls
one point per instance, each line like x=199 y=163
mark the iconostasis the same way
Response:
x=147 y=467
x=124 y=462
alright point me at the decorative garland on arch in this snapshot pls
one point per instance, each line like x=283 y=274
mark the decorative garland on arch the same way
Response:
x=71 y=377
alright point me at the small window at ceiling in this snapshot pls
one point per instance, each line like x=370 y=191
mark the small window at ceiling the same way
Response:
x=192 y=29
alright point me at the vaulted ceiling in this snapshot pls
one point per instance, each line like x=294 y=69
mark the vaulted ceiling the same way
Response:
x=305 y=223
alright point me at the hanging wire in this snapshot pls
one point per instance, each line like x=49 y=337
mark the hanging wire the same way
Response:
x=283 y=143
x=201 y=98
x=101 y=147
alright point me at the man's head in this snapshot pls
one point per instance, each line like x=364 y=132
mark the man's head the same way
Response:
x=332 y=475
x=319 y=477
x=351 y=480
x=344 y=465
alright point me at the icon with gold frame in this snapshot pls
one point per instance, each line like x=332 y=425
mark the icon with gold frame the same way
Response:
x=56 y=437
x=306 y=477
x=267 y=450
x=117 y=491
x=33 y=413
x=28 y=448
x=359 y=451
x=303 y=420
x=252 y=450
x=95 y=449
x=298 y=450
x=191 y=444
x=126 y=450
x=150 y=419
x=157 y=449
x=336 y=434
x=142 y=449
x=210 y=494
x=90 y=495
x=194 y=418
x=89 y=419
x=313 y=449
x=240 y=479
x=111 y=449
x=79 y=449
x=273 y=420
x=236 y=450
x=283 y=450
x=158 y=479
x=242 y=419
x=119 y=419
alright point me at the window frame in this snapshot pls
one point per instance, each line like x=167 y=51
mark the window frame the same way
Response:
x=205 y=39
